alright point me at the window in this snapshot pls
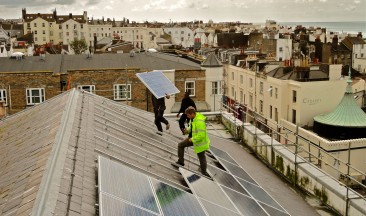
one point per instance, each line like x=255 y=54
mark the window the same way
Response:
x=28 y=25
x=88 y=88
x=294 y=96
x=241 y=79
x=67 y=26
x=361 y=55
x=261 y=107
x=182 y=39
x=232 y=92
x=270 y=111
x=35 y=39
x=74 y=26
x=122 y=91
x=251 y=101
x=35 y=24
x=261 y=88
x=35 y=95
x=44 y=31
x=276 y=92
x=251 y=83
x=232 y=76
x=241 y=97
x=270 y=91
x=44 y=39
x=59 y=27
x=81 y=26
x=216 y=87
x=67 y=33
x=182 y=32
x=3 y=96
x=294 y=116
x=190 y=87
x=276 y=115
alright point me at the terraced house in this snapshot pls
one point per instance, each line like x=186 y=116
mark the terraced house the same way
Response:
x=33 y=79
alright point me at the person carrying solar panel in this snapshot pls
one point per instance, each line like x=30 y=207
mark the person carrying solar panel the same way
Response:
x=198 y=138
x=159 y=108
x=186 y=102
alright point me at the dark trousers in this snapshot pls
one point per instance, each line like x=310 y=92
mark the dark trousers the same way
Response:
x=159 y=118
x=201 y=155
x=182 y=120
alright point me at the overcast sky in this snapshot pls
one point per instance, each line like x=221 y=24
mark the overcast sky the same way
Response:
x=189 y=10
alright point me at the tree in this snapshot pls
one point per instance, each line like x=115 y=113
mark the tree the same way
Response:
x=79 y=46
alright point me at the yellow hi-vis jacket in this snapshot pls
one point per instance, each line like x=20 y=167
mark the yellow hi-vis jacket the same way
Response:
x=200 y=139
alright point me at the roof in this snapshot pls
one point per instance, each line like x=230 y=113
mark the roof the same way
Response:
x=50 y=151
x=62 y=63
x=211 y=61
x=346 y=114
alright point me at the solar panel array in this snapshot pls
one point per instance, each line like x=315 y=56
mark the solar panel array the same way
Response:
x=125 y=191
x=235 y=175
x=158 y=84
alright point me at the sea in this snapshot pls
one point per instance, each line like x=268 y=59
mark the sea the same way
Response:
x=347 y=27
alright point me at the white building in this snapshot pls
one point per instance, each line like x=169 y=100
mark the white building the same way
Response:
x=359 y=58
x=183 y=36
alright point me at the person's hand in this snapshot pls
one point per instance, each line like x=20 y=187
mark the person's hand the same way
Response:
x=167 y=96
x=177 y=115
x=190 y=139
x=185 y=131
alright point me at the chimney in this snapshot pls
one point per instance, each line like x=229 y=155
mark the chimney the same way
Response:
x=359 y=35
x=54 y=14
x=24 y=13
x=2 y=109
x=70 y=15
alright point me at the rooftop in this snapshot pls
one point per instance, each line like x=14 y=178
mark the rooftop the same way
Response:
x=53 y=153
x=59 y=63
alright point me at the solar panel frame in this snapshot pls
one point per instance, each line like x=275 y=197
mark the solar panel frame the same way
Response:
x=158 y=84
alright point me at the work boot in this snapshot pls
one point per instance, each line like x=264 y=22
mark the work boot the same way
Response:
x=177 y=164
x=167 y=126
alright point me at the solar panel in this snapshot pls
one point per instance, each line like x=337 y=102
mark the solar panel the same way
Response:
x=221 y=154
x=126 y=184
x=157 y=83
x=245 y=204
x=273 y=211
x=226 y=179
x=112 y=206
x=207 y=189
x=216 y=210
x=174 y=201
x=237 y=171
x=259 y=194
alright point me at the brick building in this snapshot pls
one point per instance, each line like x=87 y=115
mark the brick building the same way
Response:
x=32 y=80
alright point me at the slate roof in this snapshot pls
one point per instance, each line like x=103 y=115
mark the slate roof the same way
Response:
x=211 y=61
x=58 y=142
x=62 y=63
x=48 y=153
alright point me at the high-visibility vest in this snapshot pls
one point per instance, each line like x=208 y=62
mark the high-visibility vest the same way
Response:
x=200 y=139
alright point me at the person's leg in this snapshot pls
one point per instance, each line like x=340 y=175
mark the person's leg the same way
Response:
x=182 y=120
x=162 y=119
x=158 y=121
x=203 y=162
x=181 y=146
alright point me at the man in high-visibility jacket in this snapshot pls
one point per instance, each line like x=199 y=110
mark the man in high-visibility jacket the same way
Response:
x=198 y=138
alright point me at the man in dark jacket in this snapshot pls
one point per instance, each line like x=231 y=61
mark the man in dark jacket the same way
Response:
x=186 y=102
x=159 y=107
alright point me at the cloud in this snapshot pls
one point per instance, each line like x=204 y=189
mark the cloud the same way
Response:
x=108 y=7
x=27 y=3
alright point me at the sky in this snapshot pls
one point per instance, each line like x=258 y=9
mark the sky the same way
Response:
x=256 y=11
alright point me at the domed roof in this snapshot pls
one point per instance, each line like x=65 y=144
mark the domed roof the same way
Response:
x=346 y=114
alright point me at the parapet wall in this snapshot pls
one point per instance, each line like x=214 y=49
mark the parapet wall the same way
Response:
x=302 y=174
